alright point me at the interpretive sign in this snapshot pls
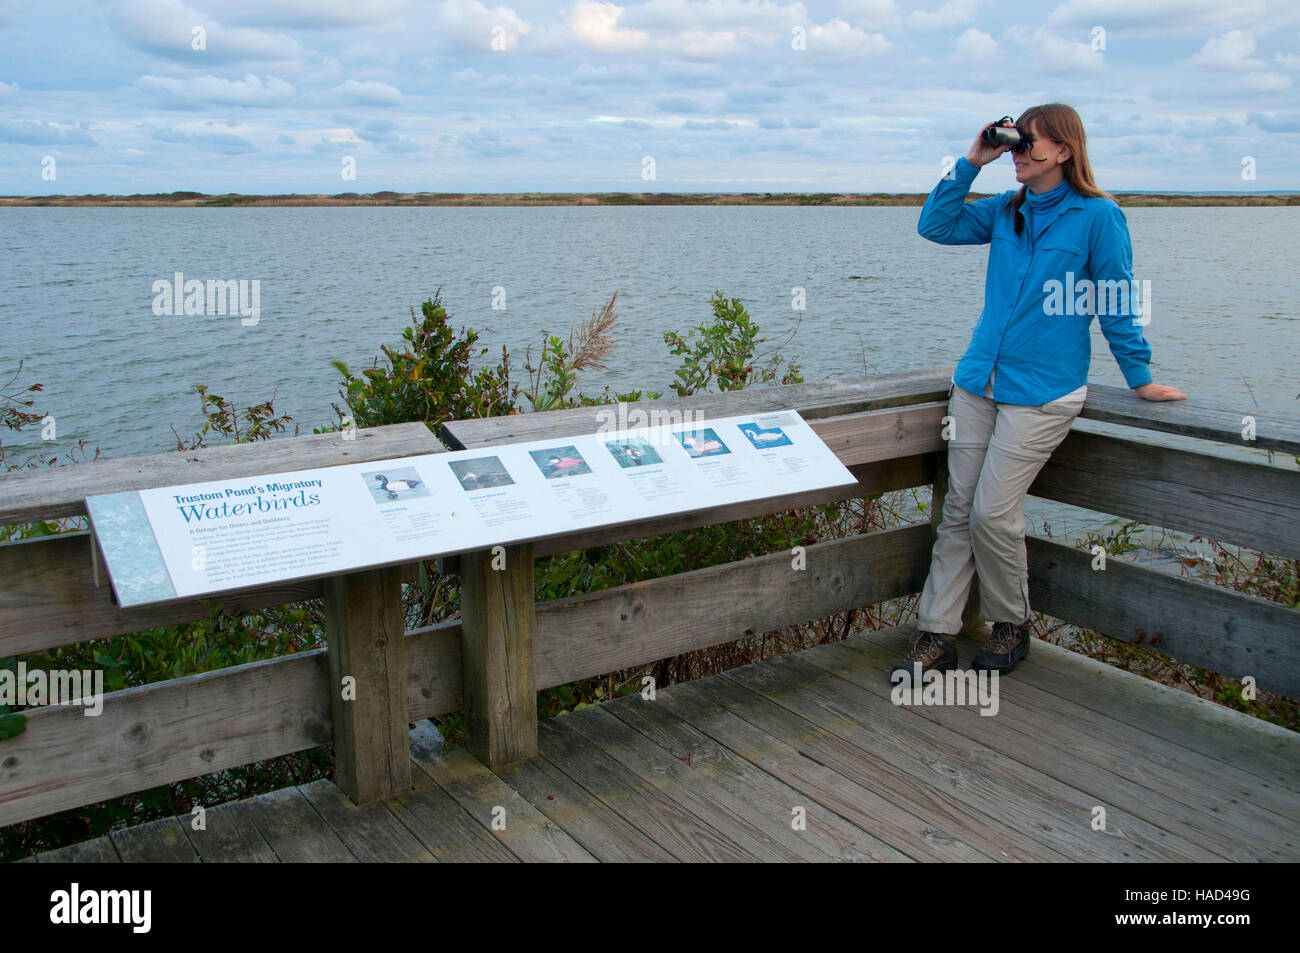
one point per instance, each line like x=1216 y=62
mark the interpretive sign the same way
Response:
x=204 y=538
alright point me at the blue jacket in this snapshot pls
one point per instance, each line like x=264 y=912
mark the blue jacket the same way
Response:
x=1039 y=356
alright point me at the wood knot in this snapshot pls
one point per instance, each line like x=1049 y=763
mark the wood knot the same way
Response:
x=137 y=735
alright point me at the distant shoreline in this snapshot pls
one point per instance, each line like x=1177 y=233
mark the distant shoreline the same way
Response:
x=504 y=199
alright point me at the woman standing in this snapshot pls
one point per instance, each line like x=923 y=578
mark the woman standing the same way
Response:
x=1023 y=379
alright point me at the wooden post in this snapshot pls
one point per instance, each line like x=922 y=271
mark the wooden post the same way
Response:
x=367 y=658
x=971 y=623
x=499 y=672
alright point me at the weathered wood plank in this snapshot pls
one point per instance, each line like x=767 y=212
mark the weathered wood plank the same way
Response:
x=442 y=825
x=935 y=783
x=368 y=684
x=605 y=834
x=294 y=829
x=1173 y=788
x=370 y=831
x=826 y=830
x=814 y=399
x=1251 y=504
x=901 y=825
x=61 y=491
x=499 y=672
x=528 y=834
x=228 y=836
x=672 y=827
x=765 y=832
x=1266 y=756
x=617 y=628
x=1119 y=405
x=433 y=671
x=97 y=851
x=47 y=598
x=158 y=842
x=1011 y=775
x=1227 y=632
x=164 y=732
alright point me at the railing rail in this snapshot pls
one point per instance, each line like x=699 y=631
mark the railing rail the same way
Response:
x=491 y=662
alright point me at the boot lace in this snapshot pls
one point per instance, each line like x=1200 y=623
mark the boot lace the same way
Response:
x=1005 y=635
x=925 y=647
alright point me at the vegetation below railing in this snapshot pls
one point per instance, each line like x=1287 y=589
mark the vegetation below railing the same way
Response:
x=1255 y=574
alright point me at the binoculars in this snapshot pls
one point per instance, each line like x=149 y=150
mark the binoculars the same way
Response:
x=1016 y=139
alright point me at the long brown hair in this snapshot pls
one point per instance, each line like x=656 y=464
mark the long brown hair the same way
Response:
x=1062 y=124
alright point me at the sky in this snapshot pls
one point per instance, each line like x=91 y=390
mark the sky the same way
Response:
x=311 y=96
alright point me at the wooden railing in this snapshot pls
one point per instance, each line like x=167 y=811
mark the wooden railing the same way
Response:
x=492 y=661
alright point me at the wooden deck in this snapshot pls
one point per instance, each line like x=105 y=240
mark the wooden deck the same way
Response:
x=713 y=770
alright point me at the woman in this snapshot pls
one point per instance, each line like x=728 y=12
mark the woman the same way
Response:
x=1023 y=378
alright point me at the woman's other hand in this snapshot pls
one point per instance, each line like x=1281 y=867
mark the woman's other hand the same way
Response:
x=1159 y=392
x=981 y=153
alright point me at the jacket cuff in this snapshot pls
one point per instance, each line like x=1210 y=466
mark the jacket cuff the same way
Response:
x=965 y=170
x=1137 y=375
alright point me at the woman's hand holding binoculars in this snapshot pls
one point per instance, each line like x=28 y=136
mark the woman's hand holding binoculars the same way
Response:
x=981 y=153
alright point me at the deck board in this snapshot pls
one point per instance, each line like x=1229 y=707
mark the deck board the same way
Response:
x=677 y=830
x=834 y=836
x=765 y=833
x=1172 y=787
x=713 y=770
x=986 y=771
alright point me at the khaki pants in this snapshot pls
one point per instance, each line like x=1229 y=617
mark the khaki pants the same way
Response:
x=994 y=453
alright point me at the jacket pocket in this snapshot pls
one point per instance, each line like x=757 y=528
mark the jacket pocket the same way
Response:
x=1062 y=255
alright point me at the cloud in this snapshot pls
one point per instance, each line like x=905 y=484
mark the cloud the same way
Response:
x=679 y=104
x=1053 y=54
x=36 y=132
x=168 y=28
x=383 y=133
x=1149 y=16
x=315 y=14
x=197 y=91
x=1275 y=122
x=612 y=73
x=488 y=143
x=8 y=90
x=1230 y=52
x=595 y=25
x=10 y=13
x=707 y=29
x=369 y=93
x=715 y=125
x=873 y=14
x=223 y=142
x=973 y=47
x=839 y=38
x=952 y=13
x=468 y=23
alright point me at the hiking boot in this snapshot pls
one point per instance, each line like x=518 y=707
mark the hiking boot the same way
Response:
x=1008 y=644
x=934 y=653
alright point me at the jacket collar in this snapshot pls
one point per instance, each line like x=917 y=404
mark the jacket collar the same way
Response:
x=1072 y=200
